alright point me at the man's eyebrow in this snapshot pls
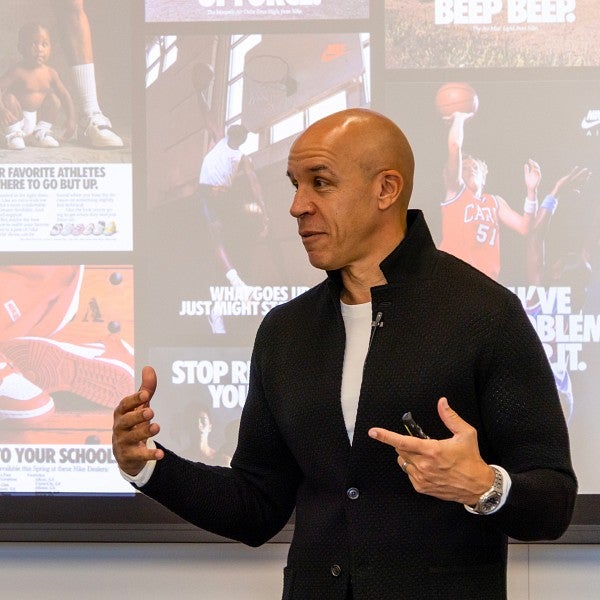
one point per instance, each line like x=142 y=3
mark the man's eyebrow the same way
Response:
x=315 y=169
x=319 y=168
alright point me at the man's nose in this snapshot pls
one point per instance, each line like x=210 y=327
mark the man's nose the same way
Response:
x=301 y=204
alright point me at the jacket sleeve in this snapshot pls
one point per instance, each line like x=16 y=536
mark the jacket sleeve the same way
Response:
x=526 y=431
x=250 y=501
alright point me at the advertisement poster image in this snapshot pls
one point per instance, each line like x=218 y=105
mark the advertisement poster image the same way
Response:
x=220 y=121
x=509 y=184
x=65 y=114
x=422 y=34
x=66 y=360
x=202 y=391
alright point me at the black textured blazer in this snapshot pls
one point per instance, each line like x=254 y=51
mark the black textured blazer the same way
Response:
x=447 y=331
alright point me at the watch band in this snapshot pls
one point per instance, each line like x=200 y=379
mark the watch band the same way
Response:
x=490 y=499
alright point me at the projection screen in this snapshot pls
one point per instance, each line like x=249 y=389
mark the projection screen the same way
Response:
x=128 y=238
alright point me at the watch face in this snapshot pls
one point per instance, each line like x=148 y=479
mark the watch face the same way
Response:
x=490 y=502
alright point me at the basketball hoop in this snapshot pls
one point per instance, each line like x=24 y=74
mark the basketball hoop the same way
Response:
x=267 y=87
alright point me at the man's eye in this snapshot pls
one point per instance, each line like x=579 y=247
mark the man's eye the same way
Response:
x=319 y=182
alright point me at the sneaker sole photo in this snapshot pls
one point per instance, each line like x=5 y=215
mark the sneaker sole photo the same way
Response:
x=59 y=366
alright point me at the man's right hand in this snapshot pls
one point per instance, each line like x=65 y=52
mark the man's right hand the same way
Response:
x=133 y=425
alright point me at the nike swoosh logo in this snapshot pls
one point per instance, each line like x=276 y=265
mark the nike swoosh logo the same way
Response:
x=333 y=51
x=588 y=124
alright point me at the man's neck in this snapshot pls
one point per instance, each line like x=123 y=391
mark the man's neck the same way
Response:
x=357 y=289
x=358 y=278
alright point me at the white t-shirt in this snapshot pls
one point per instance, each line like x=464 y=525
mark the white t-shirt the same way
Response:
x=220 y=165
x=357 y=322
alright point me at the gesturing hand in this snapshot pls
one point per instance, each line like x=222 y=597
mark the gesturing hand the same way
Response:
x=449 y=469
x=133 y=425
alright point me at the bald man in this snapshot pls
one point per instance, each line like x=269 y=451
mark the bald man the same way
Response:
x=397 y=326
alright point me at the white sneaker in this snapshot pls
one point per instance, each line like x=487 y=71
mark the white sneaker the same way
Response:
x=43 y=138
x=15 y=141
x=110 y=229
x=21 y=401
x=95 y=130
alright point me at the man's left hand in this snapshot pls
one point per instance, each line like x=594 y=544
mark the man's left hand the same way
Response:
x=449 y=469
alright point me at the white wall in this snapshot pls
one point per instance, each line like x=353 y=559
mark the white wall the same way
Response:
x=52 y=571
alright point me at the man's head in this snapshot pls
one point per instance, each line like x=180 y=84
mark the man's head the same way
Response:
x=34 y=43
x=353 y=174
x=236 y=136
x=474 y=173
x=197 y=414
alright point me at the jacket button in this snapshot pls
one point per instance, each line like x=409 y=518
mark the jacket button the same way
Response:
x=336 y=570
x=353 y=493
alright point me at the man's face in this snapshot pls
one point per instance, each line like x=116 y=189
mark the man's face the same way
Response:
x=335 y=203
x=204 y=424
x=36 y=48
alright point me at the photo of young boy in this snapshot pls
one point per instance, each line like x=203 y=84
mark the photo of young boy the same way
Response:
x=32 y=95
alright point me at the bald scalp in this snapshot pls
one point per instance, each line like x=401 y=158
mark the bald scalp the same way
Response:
x=372 y=140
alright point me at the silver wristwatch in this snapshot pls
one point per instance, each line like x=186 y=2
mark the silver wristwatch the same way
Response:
x=489 y=500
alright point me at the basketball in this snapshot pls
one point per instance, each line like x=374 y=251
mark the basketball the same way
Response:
x=456 y=97
x=115 y=278
x=114 y=327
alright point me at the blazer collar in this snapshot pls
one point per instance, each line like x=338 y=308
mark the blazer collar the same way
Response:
x=416 y=254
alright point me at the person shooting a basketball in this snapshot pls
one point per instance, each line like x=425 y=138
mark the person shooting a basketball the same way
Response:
x=471 y=218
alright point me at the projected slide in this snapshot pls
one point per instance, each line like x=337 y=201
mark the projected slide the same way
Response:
x=144 y=201
x=491 y=33
x=219 y=124
x=512 y=189
x=65 y=175
x=66 y=359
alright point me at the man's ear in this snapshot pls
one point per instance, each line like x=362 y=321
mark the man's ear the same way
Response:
x=390 y=184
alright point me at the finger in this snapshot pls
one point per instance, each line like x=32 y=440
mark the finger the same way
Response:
x=149 y=381
x=450 y=418
x=129 y=440
x=400 y=442
x=133 y=462
x=142 y=397
x=137 y=424
x=133 y=403
x=404 y=464
x=132 y=459
x=385 y=436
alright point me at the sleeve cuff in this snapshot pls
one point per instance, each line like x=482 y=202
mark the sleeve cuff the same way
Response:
x=506 y=483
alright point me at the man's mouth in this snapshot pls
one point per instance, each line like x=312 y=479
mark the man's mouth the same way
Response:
x=309 y=234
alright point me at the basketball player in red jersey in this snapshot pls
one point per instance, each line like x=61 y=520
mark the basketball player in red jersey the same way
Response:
x=471 y=218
